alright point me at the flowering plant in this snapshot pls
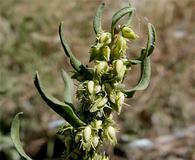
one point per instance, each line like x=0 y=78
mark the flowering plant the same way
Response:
x=100 y=90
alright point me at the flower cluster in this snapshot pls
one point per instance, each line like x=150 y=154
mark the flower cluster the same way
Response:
x=100 y=90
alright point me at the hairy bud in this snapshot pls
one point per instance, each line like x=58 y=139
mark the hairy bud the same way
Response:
x=120 y=69
x=101 y=67
x=105 y=38
x=87 y=133
x=106 y=53
x=127 y=32
x=111 y=134
x=95 y=141
x=90 y=87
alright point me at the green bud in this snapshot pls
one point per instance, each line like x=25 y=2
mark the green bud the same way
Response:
x=95 y=52
x=106 y=53
x=127 y=32
x=77 y=137
x=101 y=67
x=97 y=88
x=111 y=134
x=120 y=100
x=120 y=47
x=90 y=87
x=98 y=123
x=98 y=104
x=105 y=38
x=87 y=133
x=119 y=69
x=95 y=141
x=117 y=97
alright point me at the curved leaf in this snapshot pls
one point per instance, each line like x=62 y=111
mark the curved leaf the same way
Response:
x=129 y=18
x=68 y=87
x=76 y=64
x=97 y=26
x=15 y=136
x=60 y=108
x=144 y=78
x=118 y=15
x=151 y=39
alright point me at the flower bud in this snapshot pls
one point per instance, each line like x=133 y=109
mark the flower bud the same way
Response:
x=101 y=67
x=119 y=101
x=97 y=88
x=87 y=133
x=127 y=32
x=77 y=138
x=90 y=87
x=120 y=47
x=95 y=141
x=100 y=102
x=106 y=53
x=95 y=52
x=105 y=38
x=111 y=134
x=120 y=69
x=98 y=123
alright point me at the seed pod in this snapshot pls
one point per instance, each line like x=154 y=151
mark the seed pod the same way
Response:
x=87 y=133
x=95 y=141
x=90 y=87
x=106 y=53
x=127 y=32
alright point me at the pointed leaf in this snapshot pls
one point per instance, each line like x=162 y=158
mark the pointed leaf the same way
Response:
x=15 y=136
x=97 y=19
x=151 y=39
x=118 y=15
x=129 y=18
x=68 y=87
x=76 y=64
x=64 y=110
x=144 y=78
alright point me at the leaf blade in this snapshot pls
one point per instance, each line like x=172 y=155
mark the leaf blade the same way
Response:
x=15 y=130
x=64 y=110
x=76 y=64
x=97 y=26
x=118 y=15
x=68 y=87
x=144 y=78
x=151 y=39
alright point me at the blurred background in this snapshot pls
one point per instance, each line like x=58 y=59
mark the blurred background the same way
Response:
x=160 y=122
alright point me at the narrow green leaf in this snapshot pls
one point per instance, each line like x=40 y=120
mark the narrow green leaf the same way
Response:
x=97 y=25
x=15 y=136
x=76 y=64
x=68 y=87
x=122 y=12
x=151 y=39
x=135 y=61
x=64 y=110
x=129 y=18
x=144 y=78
